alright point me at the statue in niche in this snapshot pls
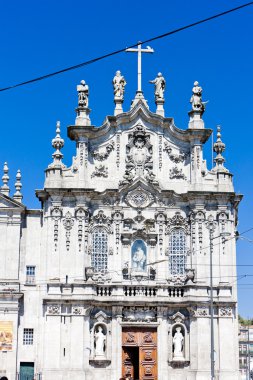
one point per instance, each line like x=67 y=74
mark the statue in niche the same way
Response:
x=196 y=98
x=83 y=94
x=99 y=338
x=139 y=256
x=178 y=344
x=160 y=84
x=119 y=85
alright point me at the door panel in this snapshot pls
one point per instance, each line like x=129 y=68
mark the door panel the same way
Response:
x=139 y=357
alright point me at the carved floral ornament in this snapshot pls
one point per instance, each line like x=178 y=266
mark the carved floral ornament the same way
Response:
x=139 y=198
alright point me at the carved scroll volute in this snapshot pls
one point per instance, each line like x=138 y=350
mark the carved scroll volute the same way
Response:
x=82 y=217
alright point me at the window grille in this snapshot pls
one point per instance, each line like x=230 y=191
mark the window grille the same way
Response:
x=177 y=252
x=30 y=274
x=28 y=337
x=99 y=256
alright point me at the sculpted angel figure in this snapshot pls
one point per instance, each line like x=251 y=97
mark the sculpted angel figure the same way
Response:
x=83 y=94
x=119 y=85
x=160 y=84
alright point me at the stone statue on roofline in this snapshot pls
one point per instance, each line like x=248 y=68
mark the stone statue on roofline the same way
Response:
x=83 y=94
x=160 y=84
x=196 y=98
x=119 y=85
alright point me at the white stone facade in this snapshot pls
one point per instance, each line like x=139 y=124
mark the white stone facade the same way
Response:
x=122 y=242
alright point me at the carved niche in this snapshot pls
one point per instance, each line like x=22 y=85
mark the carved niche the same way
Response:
x=139 y=160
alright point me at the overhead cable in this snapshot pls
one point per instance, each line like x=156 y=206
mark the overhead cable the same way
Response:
x=74 y=67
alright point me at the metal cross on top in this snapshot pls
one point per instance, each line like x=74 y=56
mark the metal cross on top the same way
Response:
x=139 y=50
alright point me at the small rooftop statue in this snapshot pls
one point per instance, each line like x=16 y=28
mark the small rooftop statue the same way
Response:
x=83 y=94
x=119 y=85
x=196 y=98
x=160 y=84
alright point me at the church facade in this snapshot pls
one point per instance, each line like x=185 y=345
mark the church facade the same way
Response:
x=110 y=279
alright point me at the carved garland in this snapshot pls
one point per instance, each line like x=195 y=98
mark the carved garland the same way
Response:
x=101 y=156
x=176 y=158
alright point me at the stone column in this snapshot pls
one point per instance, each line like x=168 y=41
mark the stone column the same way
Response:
x=162 y=343
x=116 y=342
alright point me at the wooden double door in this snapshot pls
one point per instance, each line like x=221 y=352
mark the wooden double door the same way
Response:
x=139 y=353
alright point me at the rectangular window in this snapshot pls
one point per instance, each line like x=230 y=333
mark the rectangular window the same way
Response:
x=30 y=274
x=28 y=337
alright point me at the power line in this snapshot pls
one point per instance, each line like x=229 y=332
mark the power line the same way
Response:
x=123 y=49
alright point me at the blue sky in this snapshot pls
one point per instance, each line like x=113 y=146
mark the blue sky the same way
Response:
x=38 y=37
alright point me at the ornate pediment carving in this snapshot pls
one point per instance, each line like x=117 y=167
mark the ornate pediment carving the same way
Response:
x=139 y=157
x=178 y=221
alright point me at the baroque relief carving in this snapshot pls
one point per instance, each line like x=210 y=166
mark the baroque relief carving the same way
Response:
x=225 y=311
x=139 y=198
x=139 y=153
x=68 y=223
x=176 y=158
x=139 y=314
x=199 y=311
x=100 y=171
x=177 y=173
x=101 y=156
x=178 y=221
x=53 y=309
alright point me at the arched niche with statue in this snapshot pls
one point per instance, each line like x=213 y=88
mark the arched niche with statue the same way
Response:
x=100 y=340
x=178 y=340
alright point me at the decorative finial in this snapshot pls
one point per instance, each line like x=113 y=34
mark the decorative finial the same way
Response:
x=160 y=84
x=119 y=84
x=83 y=102
x=5 y=188
x=18 y=185
x=219 y=147
x=58 y=144
x=198 y=107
